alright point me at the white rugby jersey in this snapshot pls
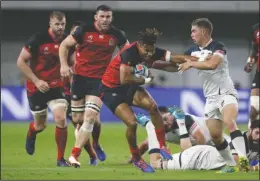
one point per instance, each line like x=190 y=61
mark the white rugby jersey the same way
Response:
x=218 y=81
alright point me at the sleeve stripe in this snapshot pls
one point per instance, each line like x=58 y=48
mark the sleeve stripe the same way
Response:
x=219 y=54
x=167 y=56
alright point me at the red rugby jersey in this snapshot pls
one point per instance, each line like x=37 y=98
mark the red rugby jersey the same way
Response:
x=129 y=55
x=45 y=62
x=256 y=40
x=95 y=49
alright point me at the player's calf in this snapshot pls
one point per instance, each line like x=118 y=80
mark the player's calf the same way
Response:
x=35 y=127
x=59 y=109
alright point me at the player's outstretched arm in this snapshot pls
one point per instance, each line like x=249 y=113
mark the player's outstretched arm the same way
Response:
x=251 y=59
x=199 y=137
x=127 y=76
x=65 y=46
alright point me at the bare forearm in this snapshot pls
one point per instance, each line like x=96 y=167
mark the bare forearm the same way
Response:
x=253 y=51
x=27 y=71
x=185 y=143
x=182 y=58
x=63 y=54
x=132 y=79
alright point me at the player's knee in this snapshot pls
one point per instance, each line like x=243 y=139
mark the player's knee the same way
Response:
x=153 y=108
x=40 y=118
x=131 y=122
x=77 y=113
x=91 y=112
x=254 y=101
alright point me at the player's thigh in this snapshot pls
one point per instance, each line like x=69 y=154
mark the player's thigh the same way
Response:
x=57 y=103
x=215 y=127
x=93 y=105
x=38 y=106
x=211 y=109
x=144 y=100
x=229 y=109
x=126 y=114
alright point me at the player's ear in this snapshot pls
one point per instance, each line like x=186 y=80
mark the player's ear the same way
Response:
x=95 y=17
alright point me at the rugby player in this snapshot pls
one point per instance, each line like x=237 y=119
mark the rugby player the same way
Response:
x=96 y=43
x=252 y=59
x=221 y=96
x=121 y=89
x=44 y=85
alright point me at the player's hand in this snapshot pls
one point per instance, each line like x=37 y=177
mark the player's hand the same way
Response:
x=148 y=80
x=248 y=67
x=184 y=66
x=42 y=86
x=65 y=71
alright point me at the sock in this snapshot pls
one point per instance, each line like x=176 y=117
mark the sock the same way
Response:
x=96 y=134
x=88 y=147
x=153 y=142
x=160 y=136
x=135 y=153
x=182 y=128
x=225 y=152
x=238 y=142
x=32 y=131
x=61 y=135
x=76 y=152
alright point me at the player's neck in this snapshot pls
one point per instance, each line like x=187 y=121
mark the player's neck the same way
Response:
x=98 y=28
x=206 y=42
x=53 y=36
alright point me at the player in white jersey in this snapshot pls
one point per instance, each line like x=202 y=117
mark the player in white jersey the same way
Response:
x=221 y=97
x=196 y=126
x=198 y=157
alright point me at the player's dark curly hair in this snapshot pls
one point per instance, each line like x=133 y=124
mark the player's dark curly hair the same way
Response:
x=149 y=35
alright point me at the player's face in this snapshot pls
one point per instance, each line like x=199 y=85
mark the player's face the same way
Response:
x=255 y=134
x=168 y=120
x=103 y=19
x=197 y=34
x=58 y=27
x=146 y=51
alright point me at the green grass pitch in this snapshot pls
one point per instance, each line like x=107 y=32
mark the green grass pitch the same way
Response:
x=16 y=164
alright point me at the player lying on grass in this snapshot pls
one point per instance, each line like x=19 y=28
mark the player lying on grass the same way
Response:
x=251 y=137
x=196 y=127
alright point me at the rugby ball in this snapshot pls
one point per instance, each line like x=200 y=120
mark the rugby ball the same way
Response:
x=141 y=71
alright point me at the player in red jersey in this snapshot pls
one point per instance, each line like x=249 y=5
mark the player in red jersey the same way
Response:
x=254 y=57
x=44 y=85
x=120 y=89
x=67 y=91
x=96 y=44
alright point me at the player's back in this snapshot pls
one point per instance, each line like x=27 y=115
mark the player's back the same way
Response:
x=218 y=81
x=198 y=157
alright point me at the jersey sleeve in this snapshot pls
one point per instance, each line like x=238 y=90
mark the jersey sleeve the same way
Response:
x=190 y=124
x=78 y=34
x=122 y=39
x=161 y=54
x=255 y=34
x=187 y=52
x=32 y=44
x=129 y=57
x=219 y=49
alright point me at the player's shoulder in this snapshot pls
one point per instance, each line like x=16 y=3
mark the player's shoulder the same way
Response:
x=216 y=45
x=116 y=31
x=192 y=48
x=39 y=36
x=130 y=52
x=87 y=27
